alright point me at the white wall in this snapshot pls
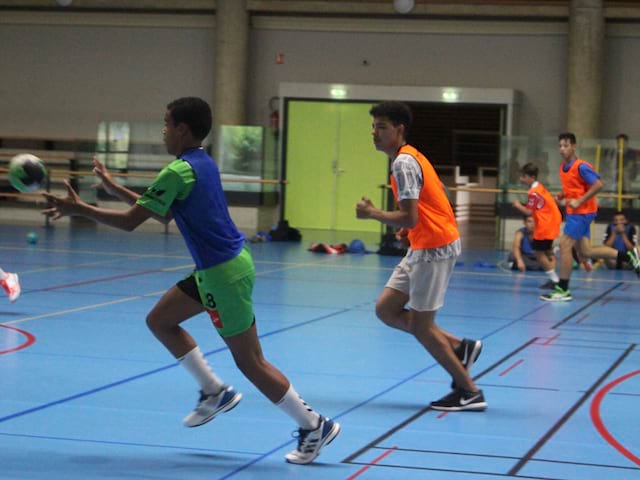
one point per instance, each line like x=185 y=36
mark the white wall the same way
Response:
x=533 y=65
x=62 y=79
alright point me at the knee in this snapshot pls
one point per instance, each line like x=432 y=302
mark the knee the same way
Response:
x=154 y=322
x=383 y=312
x=248 y=364
x=151 y=322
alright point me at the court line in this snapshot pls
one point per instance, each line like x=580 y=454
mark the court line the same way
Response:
x=152 y=372
x=128 y=444
x=451 y=470
x=599 y=424
x=508 y=457
x=552 y=431
x=423 y=410
x=73 y=310
x=97 y=280
x=31 y=339
x=99 y=252
x=388 y=452
x=277 y=448
x=514 y=365
x=550 y=340
x=587 y=305
x=75 y=265
x=112 y=302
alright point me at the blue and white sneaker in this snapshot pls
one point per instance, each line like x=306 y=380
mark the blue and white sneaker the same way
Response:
x=211 y=405
x=310 y=442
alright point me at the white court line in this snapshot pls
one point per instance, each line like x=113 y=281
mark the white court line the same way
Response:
x=94 y=252
x=288 y=267
x=112 y=302
x=87 y=264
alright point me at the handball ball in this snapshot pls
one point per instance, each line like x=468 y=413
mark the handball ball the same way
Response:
x=32 y=238
x=27 y=172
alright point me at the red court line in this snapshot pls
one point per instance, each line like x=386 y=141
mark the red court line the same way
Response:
x=28 y=342
x=599 y=424
x=375 y=460
x=549 y=340
x=511 y=367
x=584 y=317
x=606 y=300
x=442 y=414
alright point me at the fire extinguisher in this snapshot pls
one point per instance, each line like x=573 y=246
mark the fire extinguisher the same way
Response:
x=274 y=116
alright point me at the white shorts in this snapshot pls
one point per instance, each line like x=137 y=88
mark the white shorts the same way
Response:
x=424 y=280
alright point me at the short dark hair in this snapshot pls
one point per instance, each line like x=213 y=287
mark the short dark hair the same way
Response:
x=530 y=169
x=398 y=113
x=194 y=112
x=623 y=136
x=568 y=136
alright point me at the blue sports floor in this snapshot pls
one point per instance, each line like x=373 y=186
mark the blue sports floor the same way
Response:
x=86 y=391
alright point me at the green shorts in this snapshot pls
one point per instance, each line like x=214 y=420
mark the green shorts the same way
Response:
x=225 y=291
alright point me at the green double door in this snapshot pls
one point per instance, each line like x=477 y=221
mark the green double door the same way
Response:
x=331 y=163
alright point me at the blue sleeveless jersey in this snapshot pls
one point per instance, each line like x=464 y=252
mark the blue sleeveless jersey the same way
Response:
x=618 y=243
x=203 y=217
x=525 y=246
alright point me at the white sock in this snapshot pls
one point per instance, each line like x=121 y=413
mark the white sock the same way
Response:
x=553 y=276
x=3 y=274
x=293 y=405
x=199 y=368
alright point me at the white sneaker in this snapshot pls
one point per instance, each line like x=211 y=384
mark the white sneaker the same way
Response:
x=211 y=405
x=310 y=442
x=11 y=285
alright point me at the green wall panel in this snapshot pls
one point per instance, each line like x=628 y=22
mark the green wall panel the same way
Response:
x=331 y=163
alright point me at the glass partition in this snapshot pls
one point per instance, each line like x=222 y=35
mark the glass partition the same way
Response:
x=246 y=155
x=603 y=154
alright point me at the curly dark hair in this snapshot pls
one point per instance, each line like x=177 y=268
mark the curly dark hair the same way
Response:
x=398 y=113
x=193 y=112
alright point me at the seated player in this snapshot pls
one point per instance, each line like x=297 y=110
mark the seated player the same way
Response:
x=622 y=236
x=522 y=257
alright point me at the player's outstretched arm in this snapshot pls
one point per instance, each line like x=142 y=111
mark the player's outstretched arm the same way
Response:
x=72 y=204
x=111 y=186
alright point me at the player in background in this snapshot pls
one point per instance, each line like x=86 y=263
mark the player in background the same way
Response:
x=580 y=184
x=547 y=219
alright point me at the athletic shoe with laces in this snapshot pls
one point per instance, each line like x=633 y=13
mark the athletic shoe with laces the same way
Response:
x=557 y=295
x=310 y=442
x=459 y=400
x=468 y=352
x=548 y=285
x=11 y=285
x=211 y=405
x=634 y=260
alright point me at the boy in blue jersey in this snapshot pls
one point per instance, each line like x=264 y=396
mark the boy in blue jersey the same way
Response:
x=622 y=236
x=189 y=190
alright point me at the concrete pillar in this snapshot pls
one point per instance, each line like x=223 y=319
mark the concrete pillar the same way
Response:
x=232 y=43
x=585 y=64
